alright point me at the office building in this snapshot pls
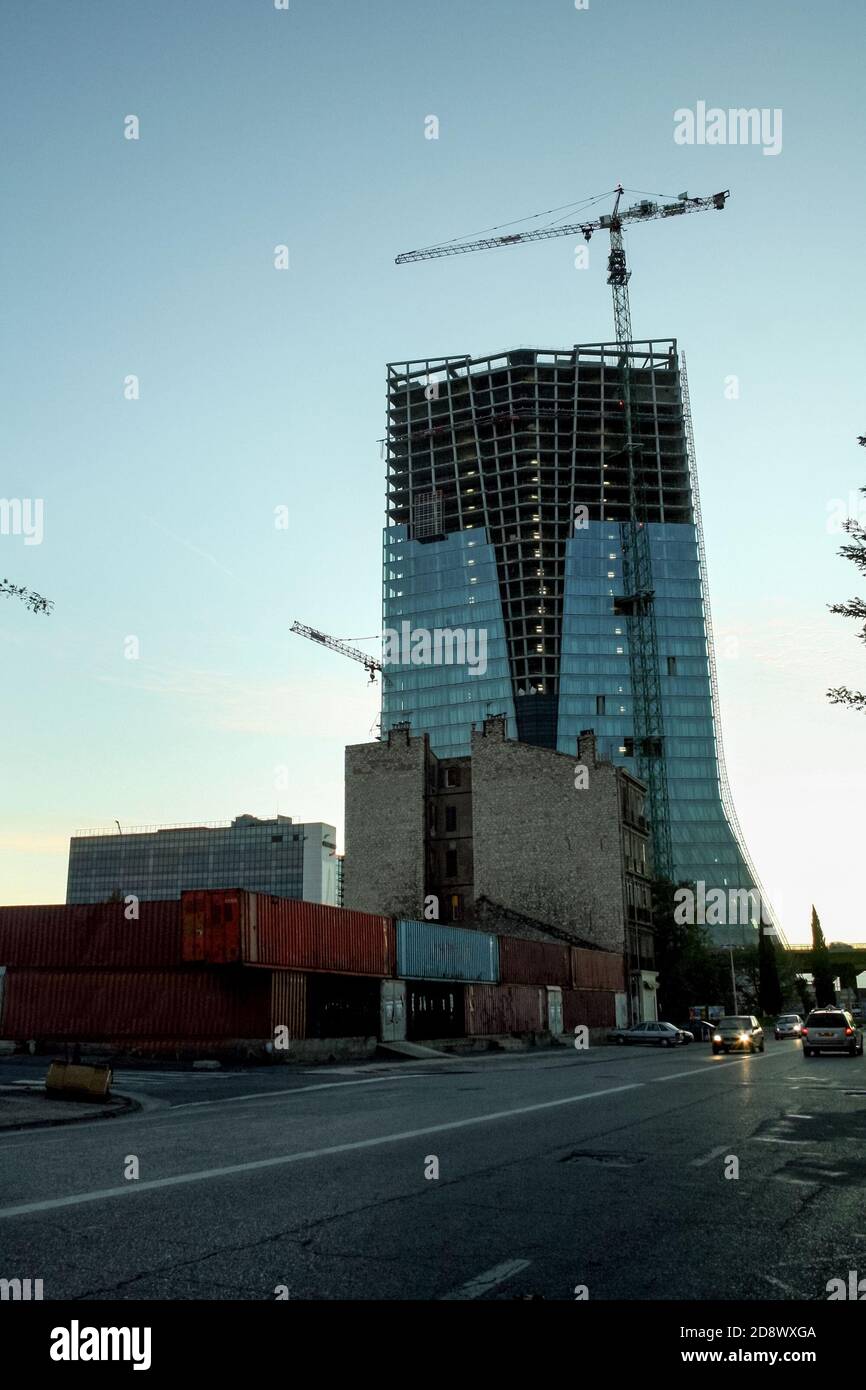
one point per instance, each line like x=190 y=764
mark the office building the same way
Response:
x=153 y=863
x=503 y=578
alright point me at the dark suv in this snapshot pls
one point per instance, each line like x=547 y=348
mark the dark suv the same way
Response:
x=831 y=1030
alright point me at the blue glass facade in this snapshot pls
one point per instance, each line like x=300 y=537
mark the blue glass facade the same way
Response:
x=508 y=492
x=595 y=686
x=446 y=584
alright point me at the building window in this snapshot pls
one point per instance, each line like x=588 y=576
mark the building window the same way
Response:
x=456 y=907
x=450 y=863
x=452 y=776
x=276 y=839
x=599 y=704
x=450 y=817
x=672 y=665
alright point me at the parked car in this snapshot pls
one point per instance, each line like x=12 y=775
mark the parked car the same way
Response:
x=699 y=1028
x=788 y=1026
x=738 y=1032
x=831 y=1030
x=662 y=1034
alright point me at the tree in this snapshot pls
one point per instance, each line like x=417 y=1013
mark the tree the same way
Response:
x=35 y=602
x=822 y=970
x=807 y=998
x=856 y=608
x=690 y=971
x=769 y=985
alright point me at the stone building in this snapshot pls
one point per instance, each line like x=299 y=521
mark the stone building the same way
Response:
x=514 y=838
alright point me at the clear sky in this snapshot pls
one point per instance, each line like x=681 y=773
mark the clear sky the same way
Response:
x=262 y=388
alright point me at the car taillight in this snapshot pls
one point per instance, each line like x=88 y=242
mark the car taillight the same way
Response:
x=848 y=1032
x=804 y=1032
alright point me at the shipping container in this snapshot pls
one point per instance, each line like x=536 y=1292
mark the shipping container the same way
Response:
x=228 y=926
x=288 y=1003
x=588 y=1008
x=342 y=1006
x=597 y=969
x=89 y=1005
x=434 y=1010
x=431 y=951
x=92 y=935
x=524 y=962
x=496 y=1009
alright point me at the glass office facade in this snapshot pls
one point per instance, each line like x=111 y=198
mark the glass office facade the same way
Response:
x=449 y=586
x=596 y=690
x=275 y=856
x=507 y=490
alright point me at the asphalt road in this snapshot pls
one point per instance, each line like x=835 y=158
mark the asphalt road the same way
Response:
x=556 y=1169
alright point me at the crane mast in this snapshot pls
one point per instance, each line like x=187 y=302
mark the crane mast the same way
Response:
x=637 y=573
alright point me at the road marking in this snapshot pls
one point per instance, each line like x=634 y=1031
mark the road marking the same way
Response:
x=794 y=1182
x=792 y=1115
x=289 y=1091
x=695 y=1071
x=483 y=1283
x=768 y=1139
x=255 y=1165
x=708 y=1158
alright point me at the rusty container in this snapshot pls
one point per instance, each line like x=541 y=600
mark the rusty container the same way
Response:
x=498 y=1009
x=92 y=935
x=523 y=962
x=590 y=1008
x=597 y=969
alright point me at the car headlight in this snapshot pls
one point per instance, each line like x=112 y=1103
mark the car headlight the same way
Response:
x=744 y=1037
x=717 y=1037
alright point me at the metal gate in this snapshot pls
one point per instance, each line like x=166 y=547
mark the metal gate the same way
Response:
x=392 y=1010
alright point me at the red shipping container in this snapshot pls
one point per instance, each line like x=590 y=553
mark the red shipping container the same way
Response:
x=597 y=969
x=590 y=1008
x=232 y=925
x=494 y=1009
x=288 y=1002
x=87 y=1005
x=523 y=962
x=91 y=935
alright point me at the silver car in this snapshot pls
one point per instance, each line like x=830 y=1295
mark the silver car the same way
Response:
x=738 y=1032
x=655 y=1033
x=831 y=1030
x=788 y=1026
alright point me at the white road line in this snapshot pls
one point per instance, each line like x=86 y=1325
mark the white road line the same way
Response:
x=180 y=1179
x=483 y=1283
x=792 y=1115
x=695 y=1071
x=289 y=1091
x=708 y=1158
x=795 y=1182
x=768 y=1139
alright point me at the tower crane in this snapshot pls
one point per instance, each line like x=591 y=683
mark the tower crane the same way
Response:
x=637 y=603
x=370 y=664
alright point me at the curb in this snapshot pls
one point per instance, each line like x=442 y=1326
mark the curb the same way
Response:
x=128 y=1107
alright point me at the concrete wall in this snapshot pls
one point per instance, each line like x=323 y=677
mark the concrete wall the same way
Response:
x=385 y=809
x=543 y=846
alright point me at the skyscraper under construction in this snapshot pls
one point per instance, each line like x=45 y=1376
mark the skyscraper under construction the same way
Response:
x=509 y=503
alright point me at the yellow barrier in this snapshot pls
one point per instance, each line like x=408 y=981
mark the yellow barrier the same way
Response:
x=79 y=1080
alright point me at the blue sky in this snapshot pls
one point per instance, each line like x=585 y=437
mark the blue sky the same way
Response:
x=261 y=388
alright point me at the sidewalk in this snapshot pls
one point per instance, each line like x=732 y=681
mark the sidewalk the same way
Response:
x=29 y=1107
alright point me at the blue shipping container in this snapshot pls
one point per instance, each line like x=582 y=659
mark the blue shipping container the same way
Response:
x=431 y=951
